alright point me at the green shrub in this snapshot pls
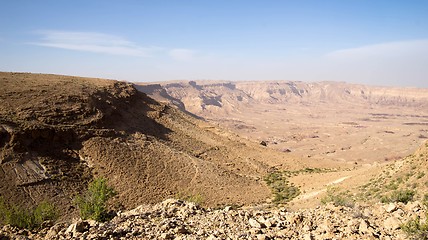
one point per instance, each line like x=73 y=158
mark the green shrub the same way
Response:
x=24 y=218
x=285 y=193
x=281 y=189
x=392 y=186
x=403 y=196
x=425 y=200
x=45 y=211
x=273 y=177
x=194 y=198
x=337 y=198
x=416 y=229
x=93 y=203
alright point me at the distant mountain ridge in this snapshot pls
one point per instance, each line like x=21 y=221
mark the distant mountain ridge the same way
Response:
x=320 y=120
x=204 y=96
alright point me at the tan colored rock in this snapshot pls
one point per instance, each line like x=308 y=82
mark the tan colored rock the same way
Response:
x=413 y=206
x=363 y=227
x=212 y=237
x=254 y=223
x=308 y=236
x=262 y=237
x=166 y=236
x=353 y=225
x=182 y=230
x=391 y=207
x=283 y=233
x=392 y=223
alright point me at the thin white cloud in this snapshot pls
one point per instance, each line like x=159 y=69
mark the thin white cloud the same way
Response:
x=391 y=63
x=182 y=54
x=389 y=49
x=93 y=42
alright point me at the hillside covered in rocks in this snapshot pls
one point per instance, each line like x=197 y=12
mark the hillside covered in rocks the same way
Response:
x=175 y=219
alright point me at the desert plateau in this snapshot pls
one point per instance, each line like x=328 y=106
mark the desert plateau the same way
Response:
x=214 y=160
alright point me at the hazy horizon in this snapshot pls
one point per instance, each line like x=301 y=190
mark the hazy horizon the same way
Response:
x=382 y=43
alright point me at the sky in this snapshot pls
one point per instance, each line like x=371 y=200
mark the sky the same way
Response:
x=382 y=42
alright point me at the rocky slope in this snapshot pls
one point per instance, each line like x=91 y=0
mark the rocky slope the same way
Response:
x=58 y=132
x=175 y=219
x=409 y=173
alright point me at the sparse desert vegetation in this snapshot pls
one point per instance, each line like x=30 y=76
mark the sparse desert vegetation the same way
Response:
x=281 y=188
x=92 y=203
x=401 y=181
x=338 y=197
x=23 y=218
x=402 y=195
x=417 y=228
x=190 y=197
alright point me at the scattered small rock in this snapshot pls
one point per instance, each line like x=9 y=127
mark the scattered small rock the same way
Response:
x=391 y=207
x=392 y=223
x=174 y=219
x=253 y=223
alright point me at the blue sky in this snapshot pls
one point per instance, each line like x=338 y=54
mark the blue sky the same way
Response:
x=359 y=41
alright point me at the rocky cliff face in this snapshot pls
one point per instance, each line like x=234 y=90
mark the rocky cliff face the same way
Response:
x=205 y=98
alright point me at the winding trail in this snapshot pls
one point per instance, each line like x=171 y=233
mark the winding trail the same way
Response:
x=196 y=167
x=338 y=180
x=315 y=193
